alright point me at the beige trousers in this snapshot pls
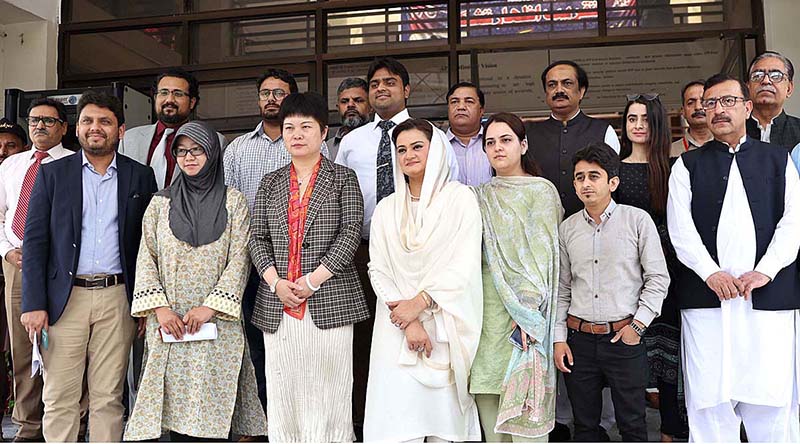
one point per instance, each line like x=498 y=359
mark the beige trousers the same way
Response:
x=27 y=391
x=488 y=406
x=94 y=334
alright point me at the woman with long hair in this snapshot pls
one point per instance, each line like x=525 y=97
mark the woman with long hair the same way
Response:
x=644 y=175
x=515 y=384
x=425 y=242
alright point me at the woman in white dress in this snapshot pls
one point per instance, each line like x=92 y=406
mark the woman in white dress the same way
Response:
x=425 y=267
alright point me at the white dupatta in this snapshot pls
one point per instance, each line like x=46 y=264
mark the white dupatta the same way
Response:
x=436 y=249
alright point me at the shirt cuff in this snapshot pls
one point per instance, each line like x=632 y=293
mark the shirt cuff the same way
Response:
x=768 y=267
x=560 y=334
x=5 y=247
x=704 y=270
x=644 y=315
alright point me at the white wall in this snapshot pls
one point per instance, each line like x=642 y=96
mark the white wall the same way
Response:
x=780 y=20
x=29 y=49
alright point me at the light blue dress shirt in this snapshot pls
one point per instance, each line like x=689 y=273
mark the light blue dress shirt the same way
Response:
x=99 y=230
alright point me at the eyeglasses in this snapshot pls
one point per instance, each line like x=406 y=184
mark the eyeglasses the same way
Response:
x=177 y=93
x=277 y=93
x=725 y=101
x=649 y=97
x=48 y=121
x=774 y=76
x=195 y=152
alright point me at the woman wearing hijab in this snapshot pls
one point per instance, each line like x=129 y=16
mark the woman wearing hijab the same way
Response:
x=425 y=267
x=515 y=384
x=306 y=229
x=191 y=271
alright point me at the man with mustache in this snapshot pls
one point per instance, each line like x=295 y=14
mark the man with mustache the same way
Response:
x=771 y=83
x=352 y=100
x=176 y=95
x=738 y=237
x=465 y=104
x=47 y=125
x=12 y=139
x=697 y=133
x=247 y=160
x=553 y=143
x=82 y=235
x=555 y=140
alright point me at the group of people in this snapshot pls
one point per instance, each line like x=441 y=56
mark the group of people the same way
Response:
x=395 y=282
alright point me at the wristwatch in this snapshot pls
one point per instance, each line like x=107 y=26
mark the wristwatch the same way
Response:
x=273 y=286
x=639 y=330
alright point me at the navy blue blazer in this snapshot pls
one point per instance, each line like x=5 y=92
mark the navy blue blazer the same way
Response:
x=52 y=241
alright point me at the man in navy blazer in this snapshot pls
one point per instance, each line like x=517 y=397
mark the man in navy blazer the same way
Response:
x=82 y=237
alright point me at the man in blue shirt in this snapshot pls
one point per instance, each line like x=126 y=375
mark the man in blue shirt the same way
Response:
x=82 y=236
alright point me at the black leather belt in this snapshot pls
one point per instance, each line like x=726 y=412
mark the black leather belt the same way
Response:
x=100 y=282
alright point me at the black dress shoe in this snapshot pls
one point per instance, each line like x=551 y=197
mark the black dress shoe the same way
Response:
x=560 y=433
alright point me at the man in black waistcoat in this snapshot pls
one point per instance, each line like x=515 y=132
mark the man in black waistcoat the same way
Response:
x=555 y=140
x=771 y=83
x=734 y=220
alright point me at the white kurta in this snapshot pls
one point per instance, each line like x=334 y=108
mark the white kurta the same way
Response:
x=735 y=353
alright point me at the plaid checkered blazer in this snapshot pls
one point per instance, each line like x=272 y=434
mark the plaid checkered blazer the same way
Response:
x=332 y=235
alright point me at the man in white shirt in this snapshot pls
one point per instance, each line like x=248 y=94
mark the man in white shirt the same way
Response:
x=47 y=123
x=739 y=237
x=368 y=150
x=697 y=133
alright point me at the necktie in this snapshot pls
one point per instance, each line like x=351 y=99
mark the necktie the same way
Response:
x=18 y=224
x=158 y=161
x=385 y=179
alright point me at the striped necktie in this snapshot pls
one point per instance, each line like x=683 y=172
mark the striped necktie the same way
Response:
x=18 y=224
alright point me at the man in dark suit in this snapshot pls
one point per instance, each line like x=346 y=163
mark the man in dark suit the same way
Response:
x=81 y=241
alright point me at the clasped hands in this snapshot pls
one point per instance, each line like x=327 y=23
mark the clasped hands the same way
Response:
x=293 y=294
x=190 y=323
x=728 y=287
x=405 y=316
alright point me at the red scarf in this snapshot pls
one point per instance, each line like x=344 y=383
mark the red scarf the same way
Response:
x=298 y=206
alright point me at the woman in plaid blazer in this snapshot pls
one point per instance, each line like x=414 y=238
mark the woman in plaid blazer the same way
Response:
x=305 y=229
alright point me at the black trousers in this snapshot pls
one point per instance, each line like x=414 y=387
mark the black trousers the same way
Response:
x=255 y=338
x=362 y=342
x=623 y=368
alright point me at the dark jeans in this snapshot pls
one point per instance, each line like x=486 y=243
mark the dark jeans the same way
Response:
x=255 y=337
x=622 y=367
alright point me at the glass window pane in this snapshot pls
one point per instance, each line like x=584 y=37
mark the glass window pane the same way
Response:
x=233 y=106
x=644 y=16
x=243 y=39
x=90 y=10
x=404 y=25
x=124 y=50
x=502 y=18
x=215 y=5
x=428 y=79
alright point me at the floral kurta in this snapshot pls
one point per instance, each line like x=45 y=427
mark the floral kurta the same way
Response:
x=203 y=388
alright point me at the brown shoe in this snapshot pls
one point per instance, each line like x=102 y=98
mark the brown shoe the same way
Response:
x=21 y=439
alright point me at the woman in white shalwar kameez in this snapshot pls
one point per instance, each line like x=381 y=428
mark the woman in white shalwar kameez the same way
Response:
x=424 y=250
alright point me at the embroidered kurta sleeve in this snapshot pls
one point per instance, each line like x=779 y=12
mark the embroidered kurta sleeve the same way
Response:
x=226 y=297
x=343 y=248
x=682 y=231
x=260 y=242
x=782 y=249
x=148 y=294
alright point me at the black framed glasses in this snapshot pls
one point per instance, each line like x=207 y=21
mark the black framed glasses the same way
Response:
x=195 y=152
x=775 y=76
x=177 y=93
x=649 y=97
x=49 y=122
x=277 y=93
x=725 y=101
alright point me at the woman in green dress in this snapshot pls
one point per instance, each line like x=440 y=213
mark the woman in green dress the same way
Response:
x=515 y=384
